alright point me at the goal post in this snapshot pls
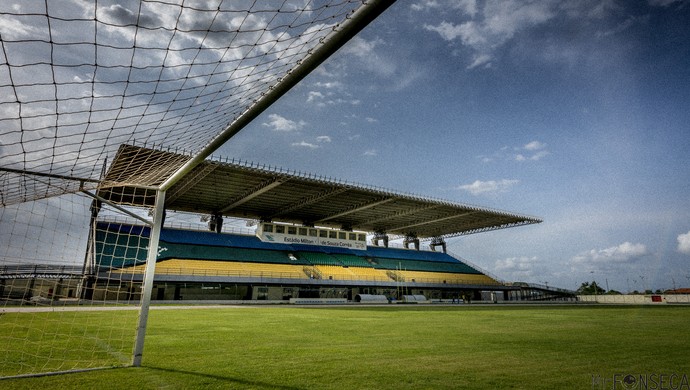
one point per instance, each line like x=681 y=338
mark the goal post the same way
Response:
x=152 y=256
x=81 y=80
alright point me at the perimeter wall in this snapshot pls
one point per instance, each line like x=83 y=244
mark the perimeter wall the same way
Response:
x=636 y=299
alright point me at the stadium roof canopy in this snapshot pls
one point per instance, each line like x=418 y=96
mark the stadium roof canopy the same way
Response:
x=272 y=194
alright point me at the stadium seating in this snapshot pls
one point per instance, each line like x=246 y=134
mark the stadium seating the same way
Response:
x=336 y=272
x=224 y=268
x=120 y=245
x=370 y=274
x=352 y=260
x=205 y=252
x=318 y=258
x=418 y=265
x=444 y=278
x=197 y=253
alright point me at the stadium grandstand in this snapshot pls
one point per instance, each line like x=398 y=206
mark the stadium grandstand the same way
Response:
x=200 y=266
x=315 y=239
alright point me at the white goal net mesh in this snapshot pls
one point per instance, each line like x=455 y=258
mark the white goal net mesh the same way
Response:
x=61 y=308
x=78 y=79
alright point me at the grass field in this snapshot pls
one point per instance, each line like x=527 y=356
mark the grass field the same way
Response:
x=399 y=347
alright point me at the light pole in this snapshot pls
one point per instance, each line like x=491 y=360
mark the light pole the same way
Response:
x=643 y=285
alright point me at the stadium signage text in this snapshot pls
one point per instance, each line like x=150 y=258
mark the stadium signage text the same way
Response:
x=297 y=240
x=269 y=234
x=284 y=239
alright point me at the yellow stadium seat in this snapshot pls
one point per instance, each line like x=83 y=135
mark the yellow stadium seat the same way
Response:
x=222 y=268
x=445 y=277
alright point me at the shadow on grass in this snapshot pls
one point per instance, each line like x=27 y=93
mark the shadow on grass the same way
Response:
x=226 y=379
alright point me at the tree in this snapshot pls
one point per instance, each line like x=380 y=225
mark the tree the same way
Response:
x=587 y=288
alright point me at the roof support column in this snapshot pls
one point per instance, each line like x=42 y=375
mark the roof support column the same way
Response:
x=411 y=239
x=380 y=236
x=438 y=241
x=216 y=223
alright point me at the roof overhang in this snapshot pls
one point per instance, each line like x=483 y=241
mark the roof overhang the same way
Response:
x=272 y=194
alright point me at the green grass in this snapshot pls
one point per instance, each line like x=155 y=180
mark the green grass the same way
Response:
x=398 y=347
x=55 y=341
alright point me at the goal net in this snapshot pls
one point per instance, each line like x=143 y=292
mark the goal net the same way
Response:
x=61 y=309
x=80 y=79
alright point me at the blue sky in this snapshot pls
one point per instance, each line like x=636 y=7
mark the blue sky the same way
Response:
x=574 y=112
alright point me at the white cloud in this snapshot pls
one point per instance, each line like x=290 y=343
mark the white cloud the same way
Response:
x=532 y=151
x=502 y=19
x=279 y=123
x=624 y=253
x=534 y=145
x=485 y=27
x=480 y=60
x=322 y=139
x=467 y=32
x=425 y=4
x=479 y=187
x=537 y=151
x=371 y=152
x=517 y=268
x=321 y=99
x=329 y=85
x=360 y=47
x=304 y=144
x=468 y=7
x=314 y=95
x=375 y=61
x=533 y=157
x=538 y=156
x=684 y=243
x=378 y=59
